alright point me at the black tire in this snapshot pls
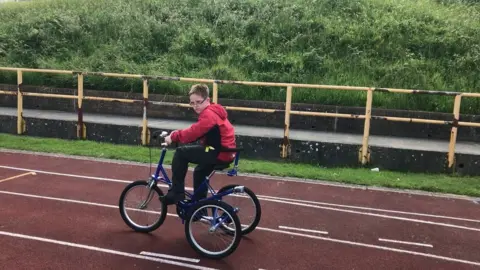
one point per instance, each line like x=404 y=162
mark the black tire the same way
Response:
x=226 y=208
x=258 y=212
x=121 y=207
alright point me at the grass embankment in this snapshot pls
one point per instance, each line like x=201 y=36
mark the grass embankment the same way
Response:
x=426 y=44
x=437 y=183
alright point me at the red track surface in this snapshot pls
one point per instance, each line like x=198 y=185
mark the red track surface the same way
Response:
x=70 y=205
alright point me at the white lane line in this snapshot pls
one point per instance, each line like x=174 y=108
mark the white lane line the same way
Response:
x=287 y=200
x=380 y=215
x=80 y=176
x=88 y=203
x=248 y=175
x=104 y=250
x=301 y=230
x=273 y=230
x=405 y=242
x=85 y=202
x=57 y=199
x=161 y=255
x=369 y=208
x=261 y=197
x=347 y=211
x=374 y=246
x=66 y=174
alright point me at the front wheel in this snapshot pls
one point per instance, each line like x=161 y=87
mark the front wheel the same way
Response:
x=202 y=242
x=156 y=214
x=248 y=216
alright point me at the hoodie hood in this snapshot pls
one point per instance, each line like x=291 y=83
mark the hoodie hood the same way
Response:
x=218 y=109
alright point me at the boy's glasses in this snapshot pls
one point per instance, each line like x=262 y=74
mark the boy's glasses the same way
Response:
x=197 y=103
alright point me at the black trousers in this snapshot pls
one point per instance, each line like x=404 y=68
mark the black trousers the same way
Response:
x=192 y=154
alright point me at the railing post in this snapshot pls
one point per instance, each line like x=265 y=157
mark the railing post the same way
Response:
x=20 y=121
x=365 y=155
x=288 y=107
x=453 y=133
x=81 y=128
x=215 y=92
x=145 y=131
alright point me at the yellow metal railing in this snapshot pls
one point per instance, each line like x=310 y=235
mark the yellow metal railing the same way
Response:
x=364 y=156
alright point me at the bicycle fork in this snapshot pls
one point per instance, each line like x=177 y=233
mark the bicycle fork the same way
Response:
x=144 y=204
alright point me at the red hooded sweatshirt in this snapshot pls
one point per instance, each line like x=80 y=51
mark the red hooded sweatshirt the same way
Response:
x=213 y=129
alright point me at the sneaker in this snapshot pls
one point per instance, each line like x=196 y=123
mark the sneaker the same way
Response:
x=172 y=197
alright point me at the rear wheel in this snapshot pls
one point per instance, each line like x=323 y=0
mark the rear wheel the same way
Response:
x=154 y=217
x=250 y=211
x=202 y=242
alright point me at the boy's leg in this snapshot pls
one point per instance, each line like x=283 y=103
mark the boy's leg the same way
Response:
x=200 y=172
x=184 y=155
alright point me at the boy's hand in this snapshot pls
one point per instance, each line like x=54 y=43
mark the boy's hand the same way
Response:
x=168 y=139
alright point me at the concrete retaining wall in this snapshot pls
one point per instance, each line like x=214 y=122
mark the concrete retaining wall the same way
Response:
x=341 y=125
x=327 y=155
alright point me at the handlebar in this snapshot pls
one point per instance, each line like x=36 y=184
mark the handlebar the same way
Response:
x=163 y=134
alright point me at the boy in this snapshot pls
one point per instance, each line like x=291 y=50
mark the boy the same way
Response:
x=215 y=132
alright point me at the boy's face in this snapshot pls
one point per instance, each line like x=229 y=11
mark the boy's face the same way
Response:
x=199 y=103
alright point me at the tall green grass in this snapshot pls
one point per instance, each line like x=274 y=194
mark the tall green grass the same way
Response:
x=414 y=44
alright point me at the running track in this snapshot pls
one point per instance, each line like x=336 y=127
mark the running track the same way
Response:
x=66 y=217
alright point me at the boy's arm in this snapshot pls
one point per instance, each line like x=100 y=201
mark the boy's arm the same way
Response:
x=195 y=131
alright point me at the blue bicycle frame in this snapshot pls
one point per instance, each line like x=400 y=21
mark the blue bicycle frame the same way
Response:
x=162 y=176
